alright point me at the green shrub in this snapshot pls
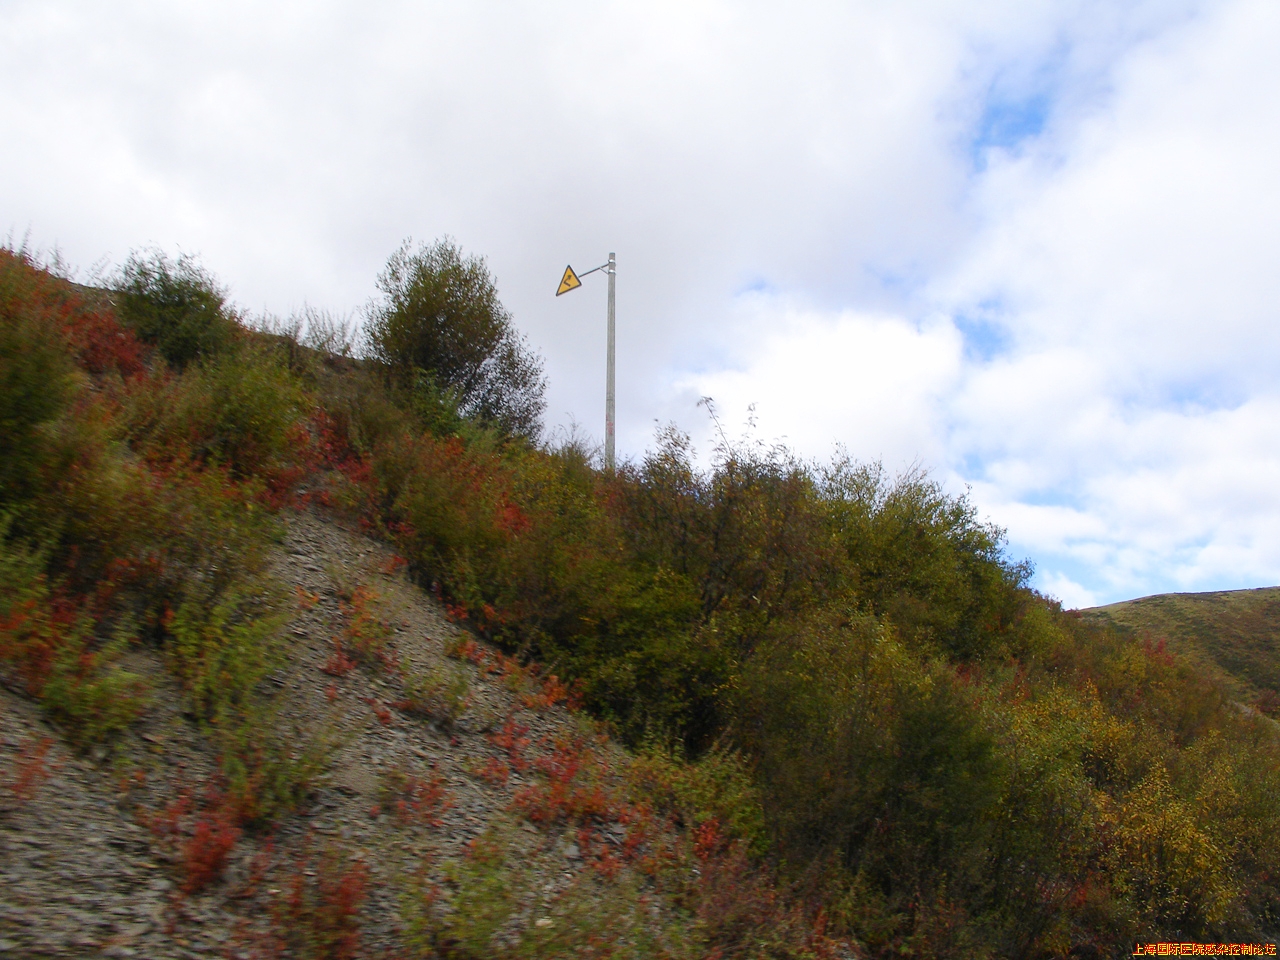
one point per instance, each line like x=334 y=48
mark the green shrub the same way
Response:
x=442 y=330
x=872 y=761
x=436 y=693
x=32 y=631
x=268 y=774
x=487 y=913
x=141 y=535
x=241 y=411
x=923 y=559
x=175 y=305
x=36 y=379
x=751 y=533
x=47 y=640
x=90 y=694
x=220 y=648
x=717 y=787
x=435 y=409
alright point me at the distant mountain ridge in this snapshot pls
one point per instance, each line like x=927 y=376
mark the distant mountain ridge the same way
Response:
x=1233 y=634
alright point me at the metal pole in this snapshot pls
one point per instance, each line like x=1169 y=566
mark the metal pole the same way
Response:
x=608 y=392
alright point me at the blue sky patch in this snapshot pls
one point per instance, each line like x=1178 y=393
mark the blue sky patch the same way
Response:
x=1215 y=393
x=756 y=284
x=1007 y=123
x=984 y=339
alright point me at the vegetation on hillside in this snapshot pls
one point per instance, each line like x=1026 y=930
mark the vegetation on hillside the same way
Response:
x=1232 y=635
x=838 y=682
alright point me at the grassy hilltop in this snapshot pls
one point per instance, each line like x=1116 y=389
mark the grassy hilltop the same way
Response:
x=842 y=722
x=1232 y=635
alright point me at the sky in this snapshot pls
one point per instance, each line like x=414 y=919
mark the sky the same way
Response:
x=1030 y=247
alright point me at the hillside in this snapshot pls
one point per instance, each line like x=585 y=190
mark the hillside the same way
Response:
x=1233 y=634
x=315 y=648
x=132 y=851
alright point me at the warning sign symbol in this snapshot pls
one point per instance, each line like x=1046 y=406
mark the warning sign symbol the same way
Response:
x=569 y=281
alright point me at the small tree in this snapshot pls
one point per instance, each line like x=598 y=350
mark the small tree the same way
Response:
x=175 y=305
x=441 y=321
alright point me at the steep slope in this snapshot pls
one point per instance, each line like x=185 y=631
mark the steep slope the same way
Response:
x=1233 y=634
x=118 y=853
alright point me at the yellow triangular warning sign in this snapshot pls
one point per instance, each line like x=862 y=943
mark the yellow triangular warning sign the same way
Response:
x=569 y=281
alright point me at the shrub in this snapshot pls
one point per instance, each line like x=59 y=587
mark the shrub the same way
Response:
x=436 y=693
x=488 y=913
x=443 y=331
x=751 y=533
x=175 y=305
x=268 y=773
x=213 y=835
x=366 y=636
x=26 y=595
x=36 y=377
x=93 y=696
x=899 y=773
x=47 y=638
x=137 y=536
x=100 y=345
x=241 y=410
x=415 y=800
x=717 y=788
x=317 y=916
x=923 y=559
x=220 y=649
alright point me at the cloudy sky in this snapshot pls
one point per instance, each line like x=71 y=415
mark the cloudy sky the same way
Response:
x=1030 y=246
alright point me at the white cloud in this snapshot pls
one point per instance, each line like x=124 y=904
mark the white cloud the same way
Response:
x=1064 y=589
x=873 y=382
x=1128 y=256
x=1028 y=244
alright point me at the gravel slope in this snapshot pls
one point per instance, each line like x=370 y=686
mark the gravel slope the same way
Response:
x=86 y=872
